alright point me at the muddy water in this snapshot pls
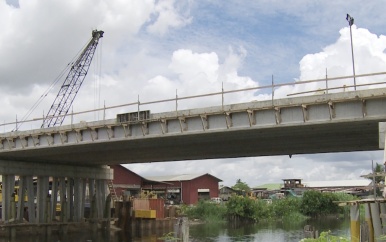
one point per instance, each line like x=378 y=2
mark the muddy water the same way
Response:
x=203 y=232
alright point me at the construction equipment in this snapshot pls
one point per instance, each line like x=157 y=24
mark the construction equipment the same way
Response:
x=113 y=193
x=72 y=83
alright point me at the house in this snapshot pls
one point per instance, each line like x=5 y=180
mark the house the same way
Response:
x=226 y=193
x=187 y=188
x=127 y=182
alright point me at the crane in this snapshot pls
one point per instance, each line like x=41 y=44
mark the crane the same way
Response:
x=72 y=83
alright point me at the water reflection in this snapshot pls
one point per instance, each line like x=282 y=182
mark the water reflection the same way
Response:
x=224 y=232
x=278 y=231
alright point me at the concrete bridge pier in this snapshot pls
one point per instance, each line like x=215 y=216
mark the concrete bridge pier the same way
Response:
x=46 y=195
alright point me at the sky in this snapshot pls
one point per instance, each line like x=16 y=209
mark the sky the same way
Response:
x=155 y=50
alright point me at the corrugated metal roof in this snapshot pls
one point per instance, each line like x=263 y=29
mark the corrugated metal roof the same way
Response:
x=339 y=183
x=270 y=186
x=181 y=177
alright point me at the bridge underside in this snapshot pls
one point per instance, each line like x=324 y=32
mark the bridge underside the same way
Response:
x=285 y=140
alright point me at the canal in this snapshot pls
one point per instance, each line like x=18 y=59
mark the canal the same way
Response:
x=278 y=231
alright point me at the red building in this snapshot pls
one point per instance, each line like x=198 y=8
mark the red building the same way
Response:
x=187 y=189
x=127 y=182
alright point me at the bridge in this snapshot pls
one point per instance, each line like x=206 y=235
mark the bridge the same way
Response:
x=337 y=122
x=71 y=160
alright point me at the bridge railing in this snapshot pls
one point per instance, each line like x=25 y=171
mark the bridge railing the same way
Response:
x=325 y=85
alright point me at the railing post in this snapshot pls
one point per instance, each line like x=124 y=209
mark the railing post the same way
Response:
x=176 y=103
x=104 y=110
x=326 y=82
x=138 y=103
x=273 y=90
x=222 y=95
x=72 y=115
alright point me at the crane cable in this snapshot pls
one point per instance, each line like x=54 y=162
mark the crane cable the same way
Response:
x=97 y=81
x=47 y=91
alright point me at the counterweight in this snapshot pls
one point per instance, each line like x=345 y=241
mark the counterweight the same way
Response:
x=72 y=83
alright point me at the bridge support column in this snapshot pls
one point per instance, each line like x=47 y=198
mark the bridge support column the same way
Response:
x=70 y=199
x=41 y=198
x=375 y=214
x=54 y=197
x=7 y=196
x=101 y=187
x=355 y=226
x=63 y=199
x=22 y=194
x=79 y=186
x=31 y=198
x=67 y=182
x=83 y=201
x=383 y=126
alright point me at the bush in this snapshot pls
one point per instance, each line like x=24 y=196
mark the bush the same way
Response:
x=263 y=210
x=206 y=211
x=242 y=208
x=316 y=203
x=238 y=208
x=284 y=207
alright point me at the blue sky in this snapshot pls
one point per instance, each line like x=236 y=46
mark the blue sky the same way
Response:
x=153 y=48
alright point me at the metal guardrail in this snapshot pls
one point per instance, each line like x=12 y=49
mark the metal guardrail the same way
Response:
x=326 y=80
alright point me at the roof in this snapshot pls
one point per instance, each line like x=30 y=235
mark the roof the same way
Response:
x=270 y=186
x=227 y=188
x=145 y=181
x=181 y=177
x=339 y=183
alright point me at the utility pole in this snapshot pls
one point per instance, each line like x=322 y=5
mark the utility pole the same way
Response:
x=351 y=22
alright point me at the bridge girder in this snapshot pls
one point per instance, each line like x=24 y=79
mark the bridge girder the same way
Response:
x=338 y=122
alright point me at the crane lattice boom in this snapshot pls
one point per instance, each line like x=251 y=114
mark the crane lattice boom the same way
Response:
x=72 y=83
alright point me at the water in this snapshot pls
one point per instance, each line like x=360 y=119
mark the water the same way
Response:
x=278 y=231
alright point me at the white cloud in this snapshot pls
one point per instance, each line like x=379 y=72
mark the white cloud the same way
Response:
x=193 y=67
x=336 y=59
x=68 y=25
x=168 y=17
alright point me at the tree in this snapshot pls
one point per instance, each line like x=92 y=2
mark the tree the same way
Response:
x=378 y=168
x=378 y=179
x=242 y=187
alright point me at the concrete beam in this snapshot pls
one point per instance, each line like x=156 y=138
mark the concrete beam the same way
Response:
x=382 y=132
x=43 y=169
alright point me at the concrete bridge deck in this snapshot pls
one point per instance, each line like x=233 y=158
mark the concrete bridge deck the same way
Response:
x=336 y=122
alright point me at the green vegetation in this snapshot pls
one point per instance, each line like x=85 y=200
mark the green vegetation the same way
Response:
x=327 y=237
x=242 y=208
x=206 y=211
x=315 y=203
x=169 y=237
x=294 y=209
x=241 y=187
x=239 y=207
